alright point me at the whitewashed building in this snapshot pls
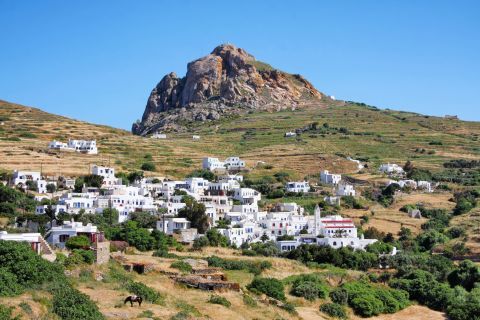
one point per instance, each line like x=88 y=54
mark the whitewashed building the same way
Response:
x=345 y=189
x=330 y=178
x=58 y=236
x=108 y=174
x=391 y=168
x=83 y=146
x=212 y=164
x=302 y=186
x=234 y=163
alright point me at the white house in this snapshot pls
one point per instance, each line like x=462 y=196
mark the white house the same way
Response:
x=35 y=240
x=330 y=178
x=57 y=208
x=57 y=236
x=334 y=231
x=83 y=146
x=195 y=137
x=158 y=135
x=425 y=185
x=391 y=168
x=290 y=134
x=212 y=164
x=302 y=186
x=247 y=195
x=234 y=163
x=74 y=202
x=108 y=175
x=345 y=189
x=58 y=145
x=21 y=177
x=171 y=224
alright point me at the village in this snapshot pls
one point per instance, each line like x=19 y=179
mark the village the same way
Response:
x=232 y=209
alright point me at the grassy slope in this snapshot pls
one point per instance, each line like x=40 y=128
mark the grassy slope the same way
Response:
x=257 y=136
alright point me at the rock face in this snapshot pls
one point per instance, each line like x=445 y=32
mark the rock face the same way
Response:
x=228 y=81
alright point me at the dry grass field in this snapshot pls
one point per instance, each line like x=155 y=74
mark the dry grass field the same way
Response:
x=176 y=298
x=379 y=135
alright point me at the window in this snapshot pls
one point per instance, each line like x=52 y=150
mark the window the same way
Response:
x=334 y=243
x=63 y=238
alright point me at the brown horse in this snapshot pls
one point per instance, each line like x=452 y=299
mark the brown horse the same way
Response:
x=133 y=299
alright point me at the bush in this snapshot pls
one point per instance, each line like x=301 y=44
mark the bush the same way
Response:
x=216 y=299
x=368 y=300
x=78 y=242
x=255 y=267
x=182 y=266
x=334 y=310
x=339 y=296
x=70 y=304
x=6 y=313
x=200 y=243
x=270 y=286
x=310 y=287
x=9 y=284
x=148 y=166
x=88 y=256
x=147 y=293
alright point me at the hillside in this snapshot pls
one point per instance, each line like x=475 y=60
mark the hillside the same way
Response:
x=352 y=130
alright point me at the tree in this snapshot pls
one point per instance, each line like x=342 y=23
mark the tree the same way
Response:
x=467 y=275
x=51 y=188
x=148 y=166
x=270 y=286
x=264 y=237
x=51 y=214
x=216 y=239
x=430 y=238
x=138 y=237
x=200 y=243
x=110 y=216
x=77 y=242
x=144 y=219
x=195 y=213
x=202 y=173
x=91 y=180
x=135 y=176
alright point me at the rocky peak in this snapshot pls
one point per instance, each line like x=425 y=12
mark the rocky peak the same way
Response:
x=227 y=81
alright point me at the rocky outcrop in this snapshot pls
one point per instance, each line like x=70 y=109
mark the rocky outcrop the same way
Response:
x=228 y=81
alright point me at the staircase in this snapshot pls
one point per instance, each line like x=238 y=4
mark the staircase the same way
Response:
x=46 y=251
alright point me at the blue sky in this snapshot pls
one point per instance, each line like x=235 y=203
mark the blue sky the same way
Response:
x=98 y=60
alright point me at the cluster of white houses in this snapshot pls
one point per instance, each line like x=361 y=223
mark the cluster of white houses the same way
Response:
x=224 y=199
x=82 y=146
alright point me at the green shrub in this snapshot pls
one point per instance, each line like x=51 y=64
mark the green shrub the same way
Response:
x=70 y=304
x=9 y=285
x=334 y=310
x=6 y=313
x=270 y=286
x=182 y=266
x=255 y=267
x=339 y=296
x=74 y=259
x=147 y=293
x=290 y=308
x=216 y=299
x=368 y=300
x=309 y=286
x=148 y=166
x=87 y=255
x=367 y=306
